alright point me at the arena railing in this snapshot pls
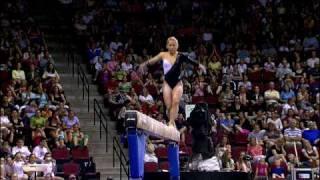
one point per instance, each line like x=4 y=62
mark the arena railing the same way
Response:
x=103 y=121
x=84 y=83
x=118 y=151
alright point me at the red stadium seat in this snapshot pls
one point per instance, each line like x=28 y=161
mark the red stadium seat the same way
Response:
x=198 y=99
x=80 y=153
x=164 y=165
x=61 y=154
x=254 y=76
x=150 y=167
x=212 y=100
x=162 y=152
x=71 y=168
x=269 y=76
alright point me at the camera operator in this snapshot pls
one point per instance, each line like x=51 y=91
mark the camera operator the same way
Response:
x=201 y=130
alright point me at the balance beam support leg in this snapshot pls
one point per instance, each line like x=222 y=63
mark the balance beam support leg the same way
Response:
x=137 y=144
x=173 y=153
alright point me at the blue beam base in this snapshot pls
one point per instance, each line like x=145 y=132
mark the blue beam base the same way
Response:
x=173 y=155
x=137 y=144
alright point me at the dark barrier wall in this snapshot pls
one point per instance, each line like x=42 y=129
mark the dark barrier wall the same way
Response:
x=200 y=176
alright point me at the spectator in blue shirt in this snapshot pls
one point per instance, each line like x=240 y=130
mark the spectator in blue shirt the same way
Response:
x=286 y=94
x=313 y=134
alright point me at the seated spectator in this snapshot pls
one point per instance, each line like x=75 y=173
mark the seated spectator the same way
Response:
x=49 y=74
x=227 y=96
x=227 y=123
x=277 y=171
x=40 y=150
x=275 y=120
x=310 y=155
x=70 y=120
x=292 y=135
x=146 y=98
x=271 y=95
x=18 y=74
x=125 y=86
x=17 y=165
x=286 y=94
x=5 y=124
x=269 y=65
x=20 y=148
x=276 y=152
x=272 y=135
x=223 y=147
x=256 y=99
x=78 y=138
x=245 y=83
x=37 y=124
x=255 y=150
x=227 y=161
x=312 y=134
x=261 y=171
x=242 y=164
x=56 y=96
x=257 y=134
x=150 y=156
x=313 y=61
x=290 y=104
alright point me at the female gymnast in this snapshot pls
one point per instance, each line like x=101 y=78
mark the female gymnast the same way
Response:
x=172 y=61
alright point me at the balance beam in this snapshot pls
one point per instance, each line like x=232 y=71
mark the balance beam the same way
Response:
x=138 y=125
x=136 y=119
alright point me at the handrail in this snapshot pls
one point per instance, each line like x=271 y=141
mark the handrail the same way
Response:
x=103 y=121
x=70 y=57
x=85 y=84
x=117 y=150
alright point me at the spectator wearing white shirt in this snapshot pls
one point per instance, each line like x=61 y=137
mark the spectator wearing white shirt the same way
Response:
x=313 y=60
x=20 y=148
x=126 y=65
x=289 y=105
x=40 y=150
x=275 y=120
x=18 y=163
x=146 y=97
x=114 y=45
x=271 y=95
x=292 y=134
x=4 y=123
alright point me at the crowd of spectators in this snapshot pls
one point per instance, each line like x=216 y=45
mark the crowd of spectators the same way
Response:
x=262 y=83
x=36 y=120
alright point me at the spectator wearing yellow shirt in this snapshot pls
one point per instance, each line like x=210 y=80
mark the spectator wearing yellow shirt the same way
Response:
x=271 y=95
x=18 y=73
x=214 y=65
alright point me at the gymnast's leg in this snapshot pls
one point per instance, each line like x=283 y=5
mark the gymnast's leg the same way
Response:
x=167 y=97
x=174 y=109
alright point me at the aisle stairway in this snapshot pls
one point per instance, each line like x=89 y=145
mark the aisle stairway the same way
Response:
x=58 y=36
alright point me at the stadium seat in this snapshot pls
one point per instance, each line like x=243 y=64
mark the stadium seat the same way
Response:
x=150 y=167
x=164 y=165
x=80 y=154
x=61 y=155
x=236 y=150
x=71 y=168
x=162 y=152
x=254 y=76
x=269 y=76
x=198 y=99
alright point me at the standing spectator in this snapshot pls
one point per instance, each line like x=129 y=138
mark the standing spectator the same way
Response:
x=310 y=155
